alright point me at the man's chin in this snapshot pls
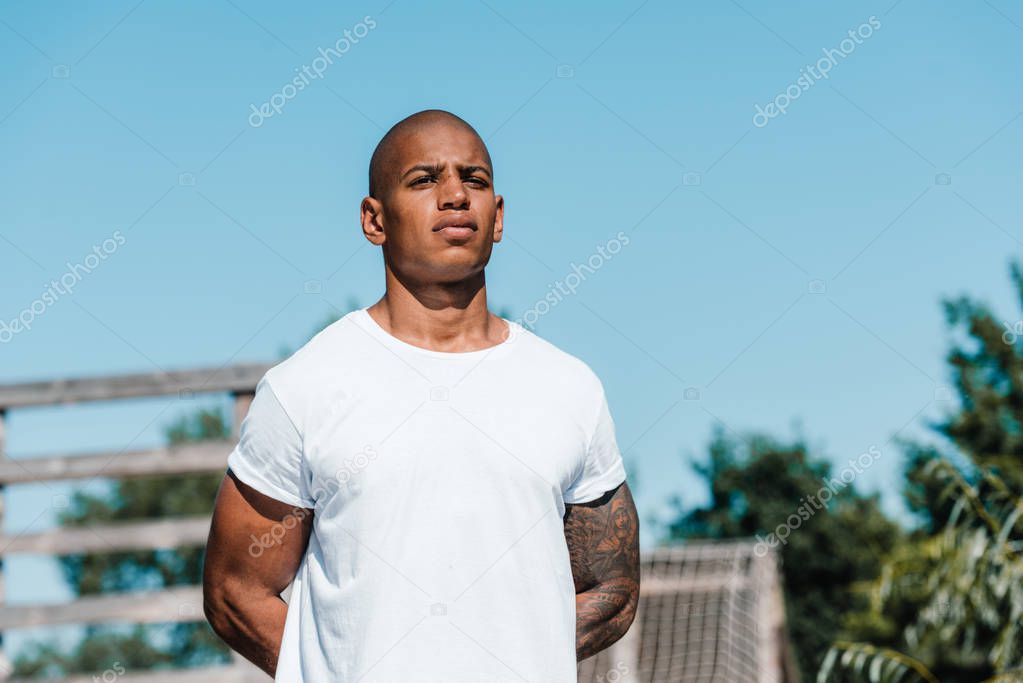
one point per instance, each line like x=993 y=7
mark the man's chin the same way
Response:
x=460 y=268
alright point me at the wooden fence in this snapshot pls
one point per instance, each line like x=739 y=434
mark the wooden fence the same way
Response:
x=649 y=659
x=180 y=604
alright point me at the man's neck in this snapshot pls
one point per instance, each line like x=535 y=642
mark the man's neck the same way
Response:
x=441 y=317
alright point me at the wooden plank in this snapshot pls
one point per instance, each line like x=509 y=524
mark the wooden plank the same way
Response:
x=655 y=585
x=171 y=605
x=202 y=456
x=103 y=538
x=220 y=674
x=241 y=378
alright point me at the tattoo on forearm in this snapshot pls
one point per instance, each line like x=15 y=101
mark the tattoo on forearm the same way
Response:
x=603 y=545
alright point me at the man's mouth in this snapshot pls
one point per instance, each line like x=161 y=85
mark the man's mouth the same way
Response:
x=456 y=226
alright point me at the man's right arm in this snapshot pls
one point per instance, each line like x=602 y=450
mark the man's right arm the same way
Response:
x=255 y=547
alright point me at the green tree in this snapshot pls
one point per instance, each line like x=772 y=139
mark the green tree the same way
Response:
x=964 y=591
x=950 y=598
x=755 y=484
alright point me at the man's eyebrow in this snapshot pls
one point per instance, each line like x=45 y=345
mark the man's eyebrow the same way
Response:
x=474 y=169
x=436 y=169
x=433 y=169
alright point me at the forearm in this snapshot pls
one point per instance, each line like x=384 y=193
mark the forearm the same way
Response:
x=603 y=615
x=241 y=587
x=252 y=626
x=603 y=546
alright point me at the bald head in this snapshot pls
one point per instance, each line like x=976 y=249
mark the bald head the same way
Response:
x=384 y=166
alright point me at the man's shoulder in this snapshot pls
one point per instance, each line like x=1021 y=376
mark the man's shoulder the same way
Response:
x=328 y=350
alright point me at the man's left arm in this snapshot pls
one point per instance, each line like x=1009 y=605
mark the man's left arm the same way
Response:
x=603 y=545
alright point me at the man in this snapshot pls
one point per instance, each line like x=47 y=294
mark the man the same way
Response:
x=437 y=482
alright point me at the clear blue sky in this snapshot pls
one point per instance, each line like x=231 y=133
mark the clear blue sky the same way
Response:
x=134 y=117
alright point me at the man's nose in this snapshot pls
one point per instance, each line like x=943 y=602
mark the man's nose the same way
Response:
x=452 y=194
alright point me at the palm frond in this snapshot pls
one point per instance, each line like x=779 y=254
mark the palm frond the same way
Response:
x=874 y=664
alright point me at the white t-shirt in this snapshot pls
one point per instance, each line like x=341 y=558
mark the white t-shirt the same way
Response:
x=439 y=482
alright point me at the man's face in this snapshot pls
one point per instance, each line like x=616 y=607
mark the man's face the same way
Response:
x=439 y=213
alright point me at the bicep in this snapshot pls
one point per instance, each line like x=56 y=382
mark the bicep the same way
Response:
x=603 y=539
x=256 y=543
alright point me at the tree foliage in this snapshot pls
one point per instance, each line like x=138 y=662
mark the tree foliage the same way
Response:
x=951 y=597
x=965 y=586
x=756 y=484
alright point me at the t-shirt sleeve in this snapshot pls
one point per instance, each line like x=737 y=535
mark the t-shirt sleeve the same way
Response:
x=268 y=456
x=602 y=468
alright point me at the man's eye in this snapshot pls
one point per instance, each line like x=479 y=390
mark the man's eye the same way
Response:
x=420 y=180
x=478 y=181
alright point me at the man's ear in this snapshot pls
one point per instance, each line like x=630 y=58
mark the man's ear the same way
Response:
x=499 y=218
x=372 y=218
